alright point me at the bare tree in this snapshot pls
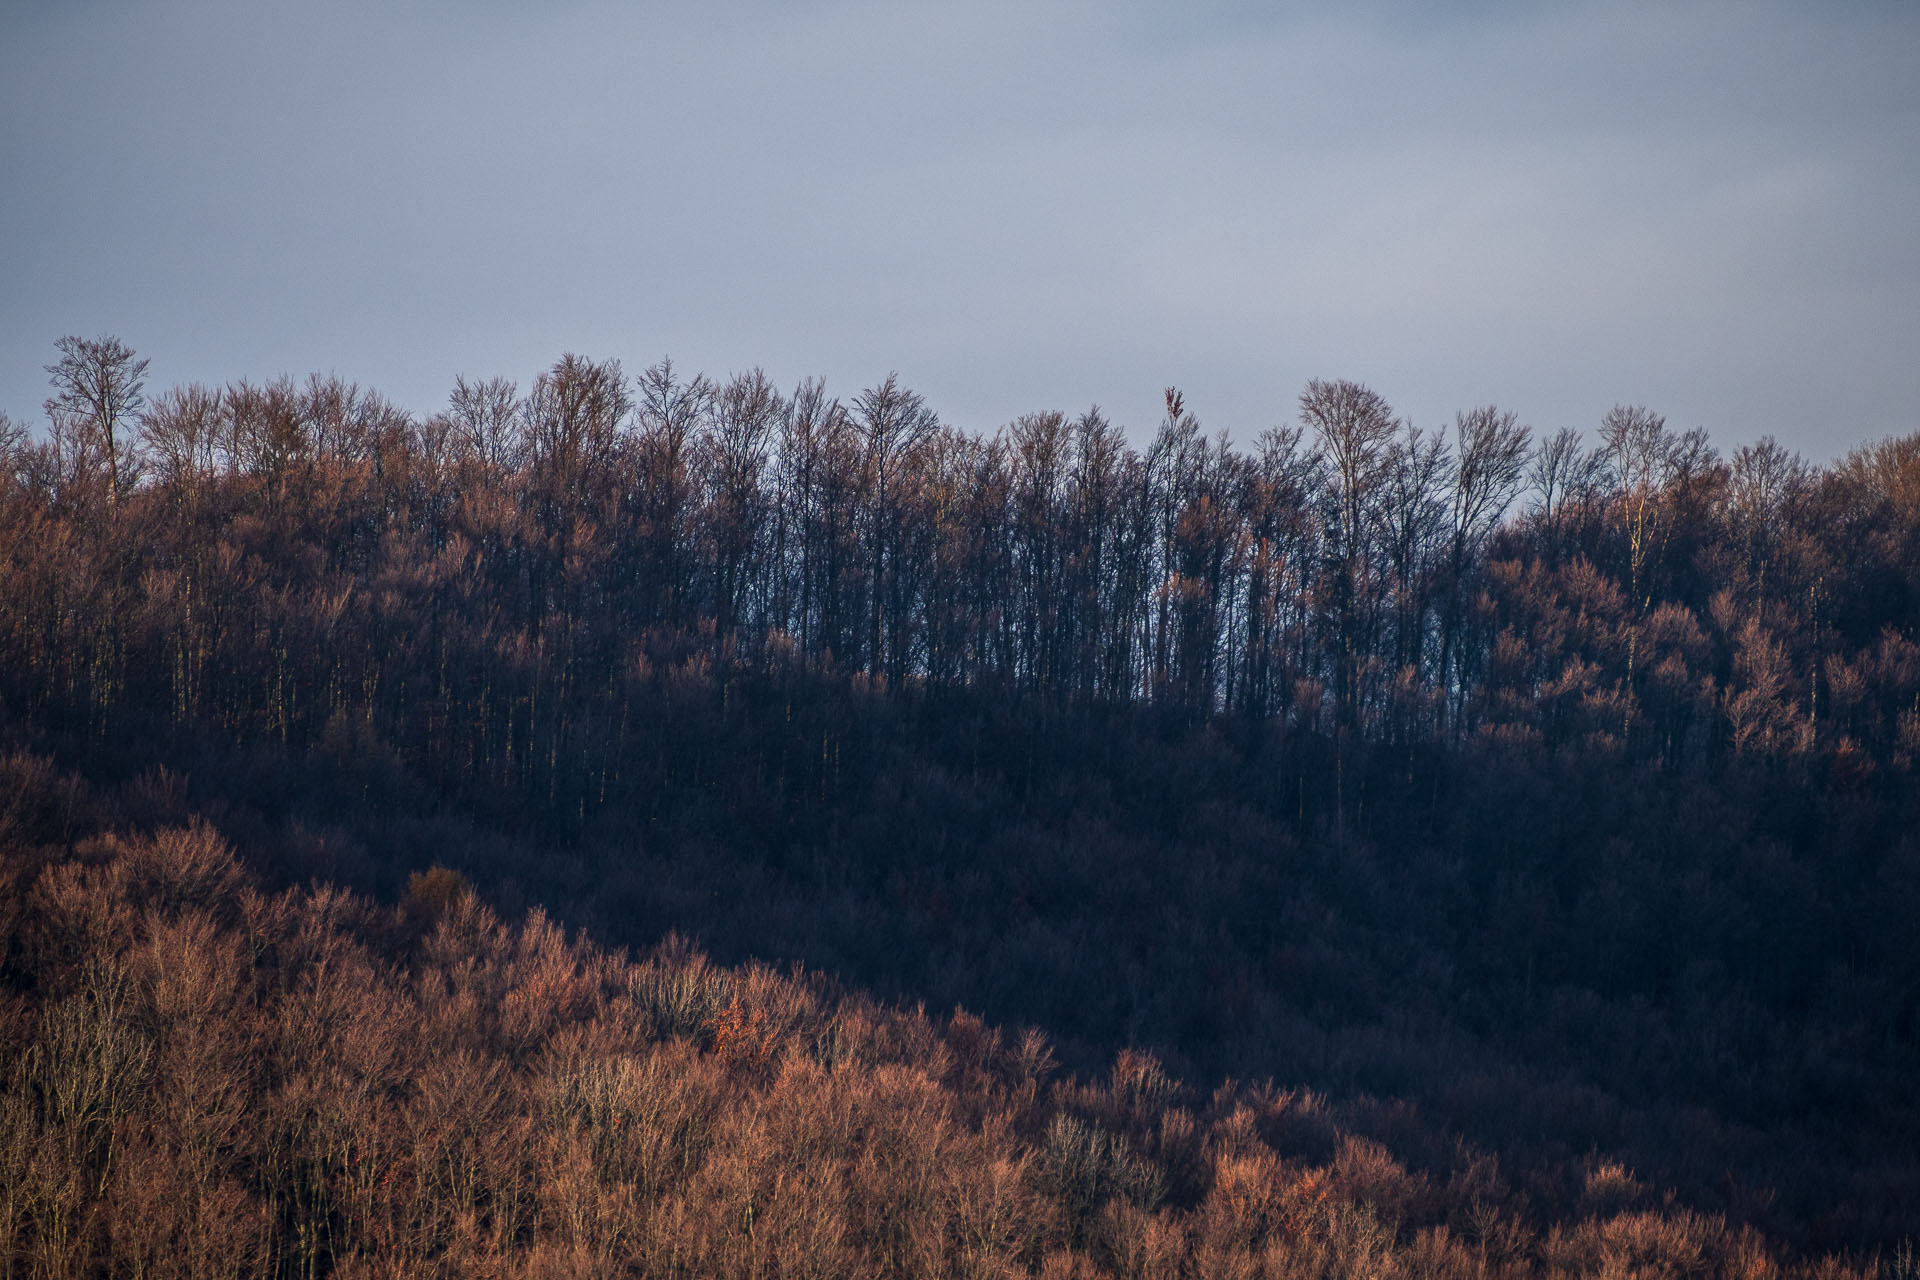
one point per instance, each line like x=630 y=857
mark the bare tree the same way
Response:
x=1491 y=449
x=181 y=433
x=1356 y=427
x=1414 y=511
x=1563 y=475
x=1278 y=498
x=672 y=414
x=1171 y=478
x=1096 y=490
x=1766 y=483
x=893 y=422
x=98 y=388
x=347 y=422
x=1641 y=451
x=574 y=416
x=733 y=459
x=489 y=419
x=1656 y=473
x=818 y=484
x=1037 y=449
x=266 y=435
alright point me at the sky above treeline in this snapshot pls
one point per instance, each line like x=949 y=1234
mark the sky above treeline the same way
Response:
x=1709 y=209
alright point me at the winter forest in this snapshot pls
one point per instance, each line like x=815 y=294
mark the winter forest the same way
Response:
x=644 y=823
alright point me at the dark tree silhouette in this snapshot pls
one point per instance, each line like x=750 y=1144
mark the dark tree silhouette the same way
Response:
x=99 y=388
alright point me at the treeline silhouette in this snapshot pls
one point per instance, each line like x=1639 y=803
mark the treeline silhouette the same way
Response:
x=1564 y=792
x=484 y=586
x=205 y=1078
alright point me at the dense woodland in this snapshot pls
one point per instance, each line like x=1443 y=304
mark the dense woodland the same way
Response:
x=1545 y=807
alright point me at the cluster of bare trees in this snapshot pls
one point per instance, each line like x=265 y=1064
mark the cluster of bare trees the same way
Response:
x=503 y=565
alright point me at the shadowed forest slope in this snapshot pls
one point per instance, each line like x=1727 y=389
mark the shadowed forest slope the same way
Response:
x=204 y=1078
x=1562 y=795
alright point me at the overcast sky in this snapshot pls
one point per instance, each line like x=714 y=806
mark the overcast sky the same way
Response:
x=1709 y=209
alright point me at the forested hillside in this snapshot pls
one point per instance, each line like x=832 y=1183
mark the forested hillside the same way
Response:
x=1537 y=802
